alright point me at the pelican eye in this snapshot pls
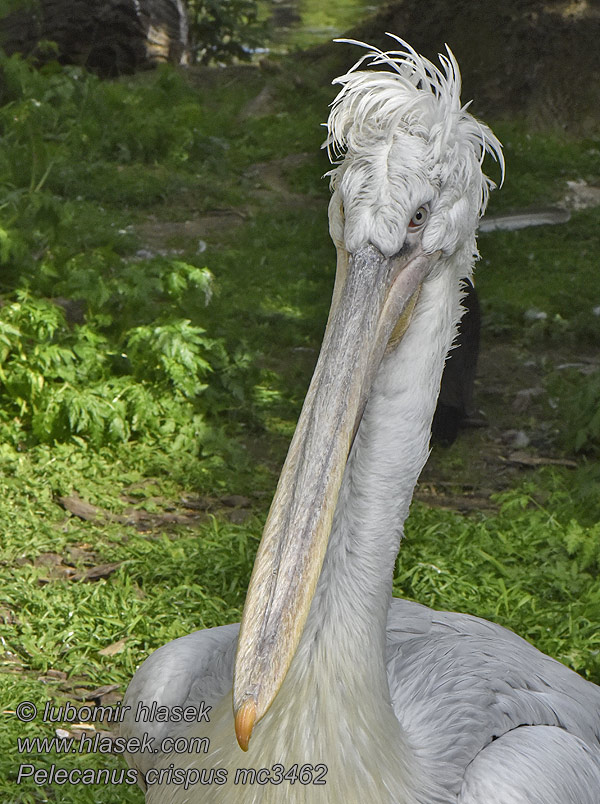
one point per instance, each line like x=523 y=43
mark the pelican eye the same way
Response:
x=419 y=218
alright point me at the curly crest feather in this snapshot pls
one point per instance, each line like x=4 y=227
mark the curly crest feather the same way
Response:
x=408 y=119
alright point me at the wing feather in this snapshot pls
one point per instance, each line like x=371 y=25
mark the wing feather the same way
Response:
x=533 y=765
x=185 y=672
x=458 y=684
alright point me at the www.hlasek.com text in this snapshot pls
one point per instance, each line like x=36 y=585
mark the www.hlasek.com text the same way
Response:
x=97 y=743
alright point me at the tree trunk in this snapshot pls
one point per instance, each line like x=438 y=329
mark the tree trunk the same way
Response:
x=109 y=37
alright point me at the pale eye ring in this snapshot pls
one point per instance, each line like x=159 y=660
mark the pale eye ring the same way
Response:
x=419 y=219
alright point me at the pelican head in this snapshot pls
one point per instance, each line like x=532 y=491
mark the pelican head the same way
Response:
x=407 y=192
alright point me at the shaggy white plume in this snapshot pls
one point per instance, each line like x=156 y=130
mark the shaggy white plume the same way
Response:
x=406 y=140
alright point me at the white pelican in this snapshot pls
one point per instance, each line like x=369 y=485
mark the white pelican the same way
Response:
x=342 y=694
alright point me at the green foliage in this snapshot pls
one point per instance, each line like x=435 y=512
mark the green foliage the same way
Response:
x=578 y=398
x=544 y=268
x=223 y=30
x=10 y=6
x=58 y=382
x=56 y=143
x=170 y=356
x=138 y=368
x=539 y=165
x=583 y=546
x=136 y=364
x=524 y=567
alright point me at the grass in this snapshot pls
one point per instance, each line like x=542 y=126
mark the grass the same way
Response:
x=183 y=377
x=483 y=564
x=545 y=269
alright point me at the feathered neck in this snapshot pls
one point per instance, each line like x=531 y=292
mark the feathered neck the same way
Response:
x=391 y=447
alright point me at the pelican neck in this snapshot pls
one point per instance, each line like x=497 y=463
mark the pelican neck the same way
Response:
x=390 y=449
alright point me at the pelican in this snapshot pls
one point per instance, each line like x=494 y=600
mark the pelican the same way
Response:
x=331 y=691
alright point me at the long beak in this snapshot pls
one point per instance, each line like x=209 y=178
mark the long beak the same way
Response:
x=372 y=296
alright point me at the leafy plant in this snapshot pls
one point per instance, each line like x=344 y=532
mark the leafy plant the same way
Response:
x=583 y=545
x=222 y=30
x=58 y=383
x=579 y=409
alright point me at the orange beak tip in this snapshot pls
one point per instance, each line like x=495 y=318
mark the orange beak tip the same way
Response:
x=245 y=717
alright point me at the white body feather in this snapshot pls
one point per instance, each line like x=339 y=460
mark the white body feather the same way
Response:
x=403 y=705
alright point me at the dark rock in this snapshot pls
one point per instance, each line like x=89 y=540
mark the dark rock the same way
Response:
x=109 y=37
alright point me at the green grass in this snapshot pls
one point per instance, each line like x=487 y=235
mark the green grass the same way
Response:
x=483 y=565
x=187 y=374
x=162 y=576
x=539 y=164
x=549 y=269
